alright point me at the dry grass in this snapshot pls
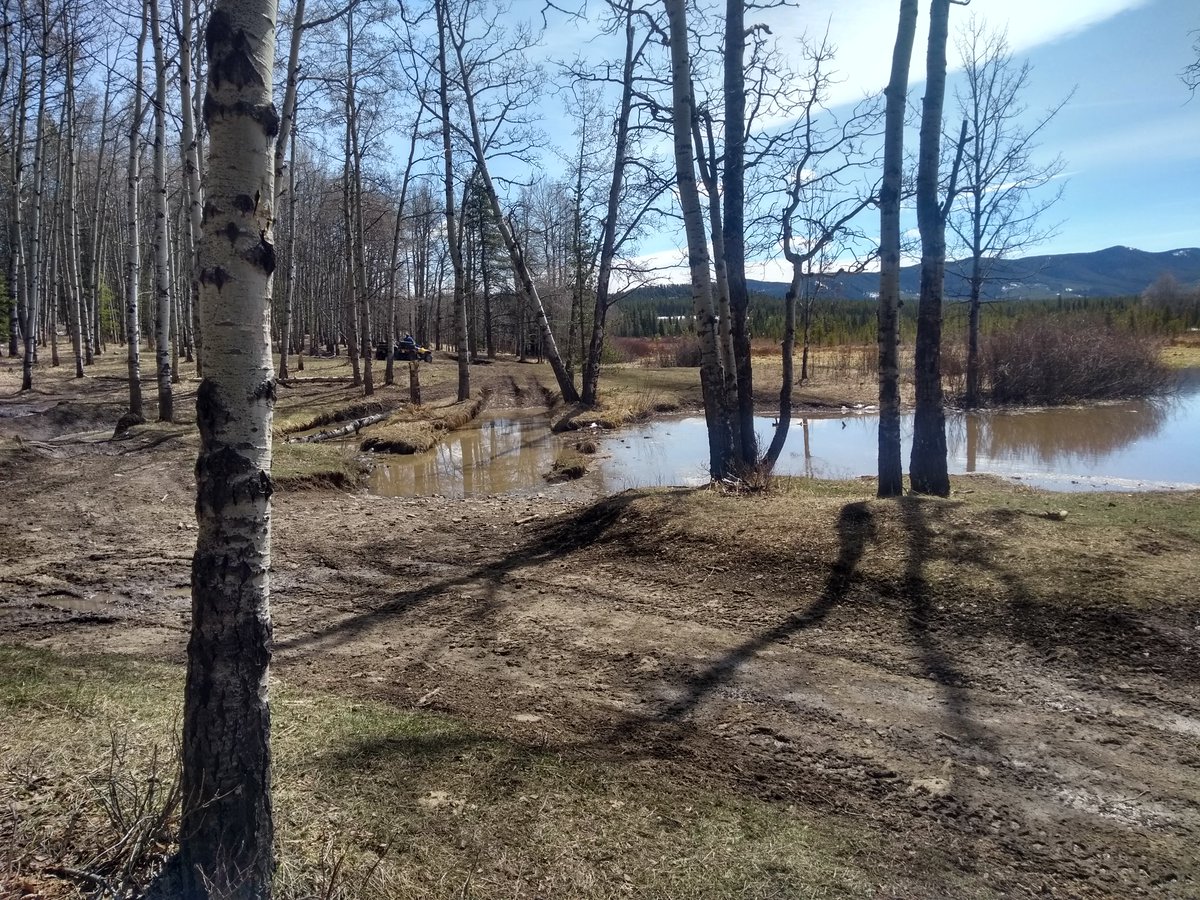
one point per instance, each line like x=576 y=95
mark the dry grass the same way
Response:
x=618 y=405
x=1183 y=352
x=992 y=539
x=372 y=802
x=332 y=416
x=840 y=377
x=298 y=466
x=568 y=465
x=423 y=430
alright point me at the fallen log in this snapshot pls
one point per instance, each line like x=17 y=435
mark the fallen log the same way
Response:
x=347 y=429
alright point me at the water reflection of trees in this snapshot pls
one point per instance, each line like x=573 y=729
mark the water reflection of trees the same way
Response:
x=1052 y=435
x=496 y=456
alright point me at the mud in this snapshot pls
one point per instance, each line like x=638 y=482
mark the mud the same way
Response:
x=1003 y=747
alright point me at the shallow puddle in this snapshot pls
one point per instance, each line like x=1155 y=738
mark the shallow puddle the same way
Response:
x=505 y=451
x=1135 y=445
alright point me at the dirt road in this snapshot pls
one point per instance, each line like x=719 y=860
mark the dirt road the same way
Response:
x=1031 y=730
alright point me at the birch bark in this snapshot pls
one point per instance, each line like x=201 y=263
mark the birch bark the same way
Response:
x=927 y=468
x=226 y=829
x=162 y=264
x=133 y=257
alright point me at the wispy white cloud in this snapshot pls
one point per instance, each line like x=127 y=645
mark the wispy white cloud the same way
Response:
x=864 y=32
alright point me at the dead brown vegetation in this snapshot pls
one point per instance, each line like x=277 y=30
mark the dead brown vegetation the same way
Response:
x=424 y=429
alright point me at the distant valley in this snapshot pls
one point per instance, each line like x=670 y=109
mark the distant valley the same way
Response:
x=1113 y=272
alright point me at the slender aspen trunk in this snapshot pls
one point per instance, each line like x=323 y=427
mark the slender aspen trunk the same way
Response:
x=516 y=255
x=389 y=374
x=193 y=192
x=784 y=422
x=175 y=300
x=734 y=229
x=133 y=259
x=80 y=344
x=162 y=267
x=290 y=274
x=975 y=301
x=891 y=472
x=226 y=829
x=709 y=174
x=284 y=146
x=460 y=295
x=91 y=268
x=36 y=268
x=17 y=282
x=358 y=251
x=712 y=383
x=285 y=149
x=350 y=302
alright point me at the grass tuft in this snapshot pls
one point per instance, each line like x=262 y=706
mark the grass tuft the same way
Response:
x=375 y=802
x=421 y=434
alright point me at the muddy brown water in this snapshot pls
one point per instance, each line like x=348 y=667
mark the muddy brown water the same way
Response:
x=506 y=451
x=1130 y=445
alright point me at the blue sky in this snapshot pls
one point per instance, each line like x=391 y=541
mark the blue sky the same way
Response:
x=1130 y=135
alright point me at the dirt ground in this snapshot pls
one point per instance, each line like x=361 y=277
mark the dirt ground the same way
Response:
x=1005 y=701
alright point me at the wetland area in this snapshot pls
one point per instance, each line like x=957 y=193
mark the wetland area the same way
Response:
x=1127 y=445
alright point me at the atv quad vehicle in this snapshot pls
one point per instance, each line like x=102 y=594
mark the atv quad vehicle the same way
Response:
x=405 y=352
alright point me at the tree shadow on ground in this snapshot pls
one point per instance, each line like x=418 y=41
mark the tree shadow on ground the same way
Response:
x=855 y=527
x=560 y=537
x=935 y=658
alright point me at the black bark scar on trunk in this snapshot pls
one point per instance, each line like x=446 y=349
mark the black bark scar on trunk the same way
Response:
x=215 y=276
x=222 y=473
x=265 y=391
x=262 y=113
x=236 y=64
x=262 y=254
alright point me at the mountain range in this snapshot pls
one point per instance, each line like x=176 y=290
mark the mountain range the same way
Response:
x=1113 y=272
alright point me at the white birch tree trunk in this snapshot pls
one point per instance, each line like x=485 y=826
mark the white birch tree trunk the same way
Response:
x=16 y=158
x=928 y=466
x=133 y=258
x=191 y=173
x=891 y=472
x=162 y=266
x=521 y=274
x=36 y=281
x=226 y=829
x=80 y=344
x=460 y=297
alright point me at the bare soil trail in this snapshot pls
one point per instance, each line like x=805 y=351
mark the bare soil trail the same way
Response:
x=1006 y=703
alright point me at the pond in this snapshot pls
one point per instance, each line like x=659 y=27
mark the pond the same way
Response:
x=504 y=451
x=1133 y=445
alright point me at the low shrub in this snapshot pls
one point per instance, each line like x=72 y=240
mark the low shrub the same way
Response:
x=1048 y=361
x=628 y=349
x=685 y=353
